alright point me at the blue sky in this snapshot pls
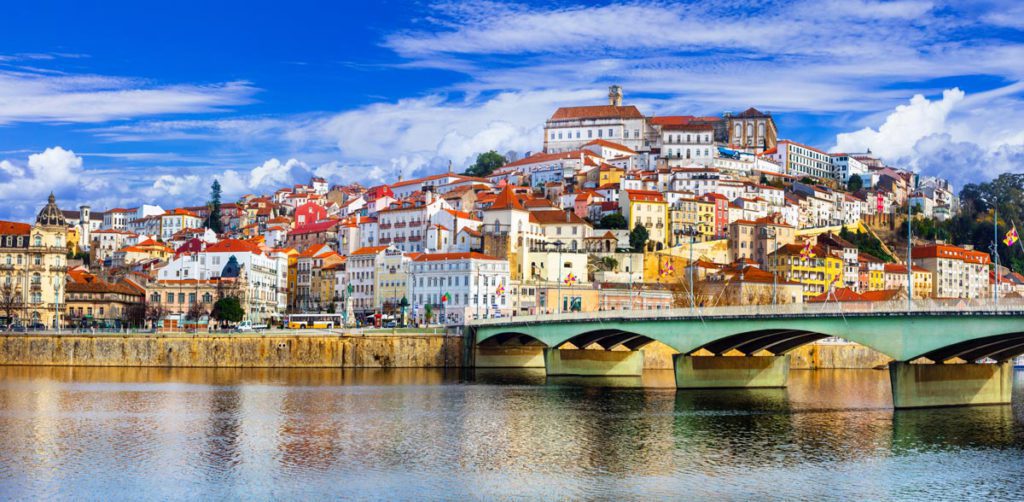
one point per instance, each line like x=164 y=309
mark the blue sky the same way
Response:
x=128 y=103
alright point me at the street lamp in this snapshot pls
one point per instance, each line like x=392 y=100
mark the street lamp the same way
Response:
x=559 y=244
x=691 y=231
x=770 y=233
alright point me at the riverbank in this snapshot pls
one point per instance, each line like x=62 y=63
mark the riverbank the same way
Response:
x=271 y=350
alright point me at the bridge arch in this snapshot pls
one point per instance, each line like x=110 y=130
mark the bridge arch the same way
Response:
x=610 y=339
x=1001 y=347
x=511 y=339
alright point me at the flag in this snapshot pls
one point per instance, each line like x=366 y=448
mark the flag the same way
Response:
x=667 y=269
x=447 y=297
x=570 y=279
x=500 y=290
x=1011 y=237
x=807 y=252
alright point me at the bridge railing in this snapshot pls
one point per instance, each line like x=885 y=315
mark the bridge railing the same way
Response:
x=830 y=308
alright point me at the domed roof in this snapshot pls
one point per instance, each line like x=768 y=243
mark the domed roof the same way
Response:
x=232 y=268
x=51 y=215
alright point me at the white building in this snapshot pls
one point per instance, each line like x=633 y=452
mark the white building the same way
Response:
x=845 y=166
x=801 y=160
x=266 y=274
x=569 y=128
x=459 y=286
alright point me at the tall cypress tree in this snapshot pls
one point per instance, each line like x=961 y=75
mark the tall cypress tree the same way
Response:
x=213 y=221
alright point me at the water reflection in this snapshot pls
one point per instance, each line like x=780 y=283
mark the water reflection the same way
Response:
x=425 y=434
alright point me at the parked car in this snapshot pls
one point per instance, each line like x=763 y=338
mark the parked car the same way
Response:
x=247 y=326
x=36 y=326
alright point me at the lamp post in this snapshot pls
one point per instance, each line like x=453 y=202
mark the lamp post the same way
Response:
x=771 y=233
x=56 y=302
x=558 y=245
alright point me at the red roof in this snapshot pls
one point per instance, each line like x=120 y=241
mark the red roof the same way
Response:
x=369 y=250
x=840 y=294
x=506 y=199
x=594 y=112
x=609 y=144
x=645 y=196
x=14 y=228
x=950 y=252
x=312 y=228
x=456 y=256
x=233 y=246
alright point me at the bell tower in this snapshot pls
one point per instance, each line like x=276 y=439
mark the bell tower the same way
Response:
x=615 y=95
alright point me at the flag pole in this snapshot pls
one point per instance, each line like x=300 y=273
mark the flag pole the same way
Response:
x=995 y=249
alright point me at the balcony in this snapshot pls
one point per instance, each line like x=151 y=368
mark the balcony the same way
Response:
x=415 y=238
x=384 y=226
x=400 y=224
x=399 y=239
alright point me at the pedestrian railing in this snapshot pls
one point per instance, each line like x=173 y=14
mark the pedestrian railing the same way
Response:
x=918 y=307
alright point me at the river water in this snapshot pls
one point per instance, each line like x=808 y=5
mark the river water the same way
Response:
x=130 y=433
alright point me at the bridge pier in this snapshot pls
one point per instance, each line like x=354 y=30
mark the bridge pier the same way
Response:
x=579 y=362
x=932 y=385
x=510 y=357
x=711 y=372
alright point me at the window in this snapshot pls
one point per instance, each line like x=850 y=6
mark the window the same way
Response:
x=39 y=240
x=170 y=297
x=611 y=133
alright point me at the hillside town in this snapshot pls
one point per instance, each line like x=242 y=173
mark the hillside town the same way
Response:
x=616 y=211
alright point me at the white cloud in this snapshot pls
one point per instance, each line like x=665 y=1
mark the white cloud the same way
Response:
x=25 y=186
x=963 y=138
x=44 y=96
x=904 y=127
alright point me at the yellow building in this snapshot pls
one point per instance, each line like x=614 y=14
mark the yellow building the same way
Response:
x=815 y=271
x=292 y=284
x=610 y=174
x=649 y=209
x=32 y=267
x=691 y=213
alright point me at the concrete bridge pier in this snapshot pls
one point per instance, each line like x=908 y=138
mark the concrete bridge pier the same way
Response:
x=525 y=356
x=719 y=372
x=580 y=362
x=932 y=385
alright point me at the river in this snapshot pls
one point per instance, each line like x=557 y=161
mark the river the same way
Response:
x=152 y=433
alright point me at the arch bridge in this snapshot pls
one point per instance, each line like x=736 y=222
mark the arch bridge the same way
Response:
x=985 y=339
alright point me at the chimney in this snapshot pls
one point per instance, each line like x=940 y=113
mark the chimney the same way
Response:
x=615 y=95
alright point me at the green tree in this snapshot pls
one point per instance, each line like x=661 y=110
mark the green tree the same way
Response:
x=428 y=313
x=486 y=163
x=854 y=183
x=228 y=309
x=213 y=220
x=638 y=238
x=613 y=221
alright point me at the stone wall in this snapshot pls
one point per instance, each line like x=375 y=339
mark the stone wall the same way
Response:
x=233 y=351
x=836 y=356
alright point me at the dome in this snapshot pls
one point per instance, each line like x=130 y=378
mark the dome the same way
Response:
x=231 y=269
x=51 y=215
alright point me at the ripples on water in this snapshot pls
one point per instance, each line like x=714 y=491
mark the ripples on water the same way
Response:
x=129 y=433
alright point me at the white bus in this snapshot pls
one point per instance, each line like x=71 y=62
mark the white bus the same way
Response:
x=314 y=321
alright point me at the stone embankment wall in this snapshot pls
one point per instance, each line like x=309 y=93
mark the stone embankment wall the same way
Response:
x=234 y=351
